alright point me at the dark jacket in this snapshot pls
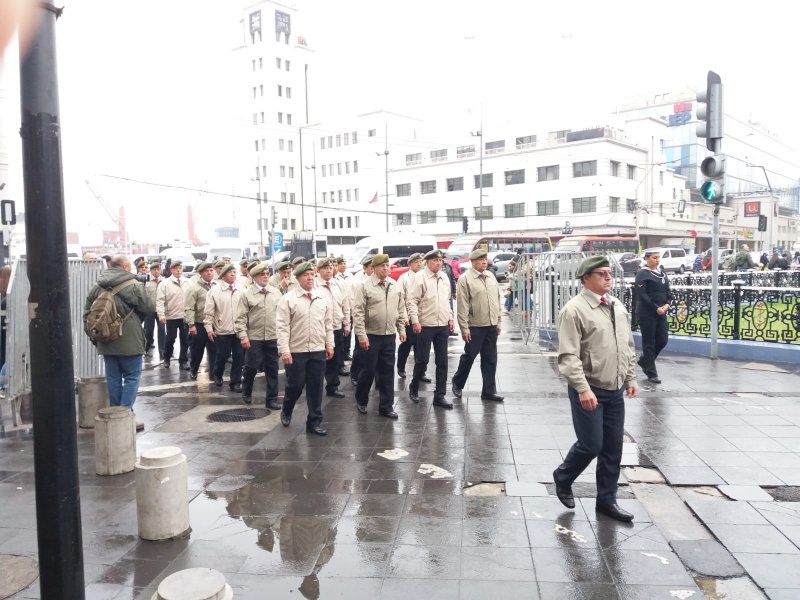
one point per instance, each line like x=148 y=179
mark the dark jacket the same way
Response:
x=448 y=270
x=131 y=298
x=652 y=291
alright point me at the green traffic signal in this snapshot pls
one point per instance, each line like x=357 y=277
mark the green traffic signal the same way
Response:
x=710 y=191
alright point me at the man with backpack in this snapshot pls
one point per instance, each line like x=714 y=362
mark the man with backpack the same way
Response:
x=112 y=316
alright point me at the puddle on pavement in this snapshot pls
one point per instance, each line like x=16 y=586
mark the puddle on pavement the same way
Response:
x=485 y=489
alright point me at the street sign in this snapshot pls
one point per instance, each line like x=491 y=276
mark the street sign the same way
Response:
x=752 y=209
x=8 y=213
x=277 y=241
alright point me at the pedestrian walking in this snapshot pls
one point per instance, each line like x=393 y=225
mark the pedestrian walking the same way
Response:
x=170 y=306
x=339 y=300
x=152 y=323
x=344 y=278
x=595 y=356
x=195 y=307
x=652 y=303
x=478 y=312
x=355 y=281
x=414 y=267
x=218 y=318
x=122 y=356
x=432 y=320
x=379 y=315
x=256 y=328
x=305 y=342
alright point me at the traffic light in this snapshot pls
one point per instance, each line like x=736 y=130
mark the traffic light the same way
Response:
x=762 y=222
x=710 y=126
x=464 y=225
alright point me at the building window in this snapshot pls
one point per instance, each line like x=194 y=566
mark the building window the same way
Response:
x=255 y=118
x=290 y=145
x=455 y=184
x=284 y=224
x=294 y=224
x=613 y=204
x=585 y=168
x=262 y=117
x=264 y=170
x=338 y=168
x=349 y=222
x=515 y=210
x=291 y=172
x=413 y=159
x=280 y=90
x=287 y=65
x=438 y=155
x=547 y=173
x=339 y=195
x=455 y=215
x=283 y=198
x=495 y=147
x=614 y=168
x=322 y=142
x=291 y=201
x=488 y=180
x=631 y=172
x=341 y=222
x=355 y=141
x=324 y=170
x=338 y=140
x=277 y=63
x=255 y=92
x=401 y=219
x=483 y=213
x=426 y=216
x=280 y=144
x=630 y=204
x=288 y=118
x=346 y=139
x=584 y=205
x=355 y=166
x=465 y=151
x=283 y=171
x=371 y=133
x=280 y=117
x=330 y=141
x=256 y=145
x=526 y=141
x=356 y=220
x=333 y=223
x=403 y=189
x=254 y=64
x=661 y=178
x=515 y=177
x=546 y=207
x=347 y=167
x=324 y=197
x=427 y=187
x=347 y=195
x=355 y=197
x=324 y=223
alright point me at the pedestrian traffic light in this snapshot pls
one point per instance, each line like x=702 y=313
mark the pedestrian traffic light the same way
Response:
x=710 y=126
x=464 y=224
x=762 y=222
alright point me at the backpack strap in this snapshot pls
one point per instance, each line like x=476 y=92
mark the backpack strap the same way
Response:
x=118 y=288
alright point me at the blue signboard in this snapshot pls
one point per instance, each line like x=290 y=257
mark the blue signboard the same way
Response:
x=277 y=241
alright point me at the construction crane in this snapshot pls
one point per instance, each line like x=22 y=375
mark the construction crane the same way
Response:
x=118 y=219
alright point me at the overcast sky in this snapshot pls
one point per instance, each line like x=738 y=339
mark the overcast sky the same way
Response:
x=146 y=86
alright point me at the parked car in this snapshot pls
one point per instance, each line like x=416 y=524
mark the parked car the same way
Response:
x=672 y=259
x=398 y=266
x=500 y=262
x=629 y=262
x=465 y=265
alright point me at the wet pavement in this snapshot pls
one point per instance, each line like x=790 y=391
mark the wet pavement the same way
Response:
x=287 y=515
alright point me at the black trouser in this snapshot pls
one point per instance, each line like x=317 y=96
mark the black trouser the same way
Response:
x=200 y=343
x=151 y=322
x=377 y=363
x=347 y=341
x=599 y=433
x=405 y=348
x=263 y=354
x=438 y=336
x=653 y=328
x=484 y=342
x=333 y=365
x=306 y=371
x=176 y=328
x=229 y=345
x=355 y=366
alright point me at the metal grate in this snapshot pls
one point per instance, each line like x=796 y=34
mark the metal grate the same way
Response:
x=238 y=415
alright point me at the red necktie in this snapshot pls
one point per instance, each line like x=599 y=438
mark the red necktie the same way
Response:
x=263 y=290
x=603 y=300
x=309 y=296
x=382 y=283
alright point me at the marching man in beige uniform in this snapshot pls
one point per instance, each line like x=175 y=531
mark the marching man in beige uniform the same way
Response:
x=305 y=342
x=219 y=314
x=170 y=308
x=340 y=302
x=195 y=302
x=243 y=279
x=478 y=311
x=282 y=280
x=432 y=320
x=256 y=328
x=414 y=266
x=379 y=315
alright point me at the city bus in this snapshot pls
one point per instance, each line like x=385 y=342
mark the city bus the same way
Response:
x=461 y=247
x=598 y=243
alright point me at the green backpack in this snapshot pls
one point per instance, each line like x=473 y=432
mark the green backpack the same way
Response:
x=103 y=323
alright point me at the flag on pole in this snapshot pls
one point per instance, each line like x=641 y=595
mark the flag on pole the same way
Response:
x=374 y=198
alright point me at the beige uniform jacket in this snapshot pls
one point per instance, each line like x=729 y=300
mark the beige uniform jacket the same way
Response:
x=256 y=313
x=477 y=300
x=339 y=299
x=151 y=287
x=404 y=282
x=378 y=309
x=170 y=301
x=429 y=300
x=220 y=309
x=275 y=281
x=196 y=302
x=304 y=325
x=593 y=350
x=243 y=282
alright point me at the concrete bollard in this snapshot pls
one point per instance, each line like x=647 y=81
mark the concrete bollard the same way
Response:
x=92 y=396
x=194 y=584
x=114 y=440
x=162 y=500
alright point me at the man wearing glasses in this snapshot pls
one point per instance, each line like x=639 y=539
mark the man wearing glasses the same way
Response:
x=596 y=356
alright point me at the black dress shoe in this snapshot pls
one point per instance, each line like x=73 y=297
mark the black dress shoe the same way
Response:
x=344 y=372
x=185 y=366
x=361 y=409
x=335 y=394
x=193 y=374
x=316 y=429
x=285 y=419
x=273 y=404
x=654 y=379
x=614 y=511
x=414 y=396
x=166 y=363
x=389 y=415
x=247 y=399
x=442 y=403
x=424 y=379
x=492 y=397
x=456 y=390
x=235 y=387
x=401 y=374
x=564 y=492
x=218 y=381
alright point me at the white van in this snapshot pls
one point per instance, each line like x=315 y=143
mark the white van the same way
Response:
x=227 y=247
x=396 y=245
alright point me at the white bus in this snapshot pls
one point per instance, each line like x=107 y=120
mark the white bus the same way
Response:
x=396 y=245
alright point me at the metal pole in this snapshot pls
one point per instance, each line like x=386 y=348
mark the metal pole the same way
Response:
x=302 y=176
x=714 y=281
x=771 y=220
x=314 y=166
x=260 y=219
x=480 y=177
x=386 y=171
x=58 y=511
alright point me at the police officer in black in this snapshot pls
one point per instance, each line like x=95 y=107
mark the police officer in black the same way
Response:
x=652 y=303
